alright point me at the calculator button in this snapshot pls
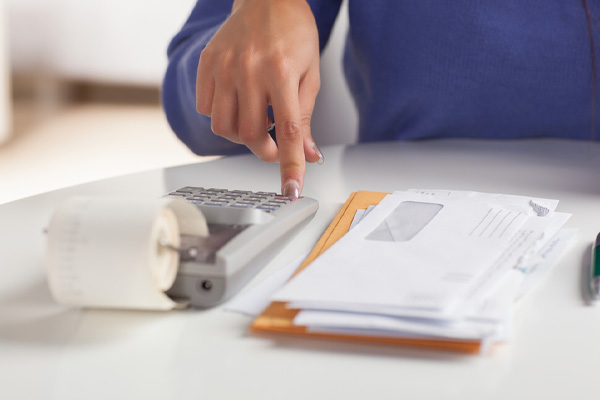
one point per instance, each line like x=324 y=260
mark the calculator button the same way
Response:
x=215 y=203
x=178 y=194
x=269 y=208
x=286 y=199
x=241 y=205
x=216 y=190
x=188 y=189
x=196 y=200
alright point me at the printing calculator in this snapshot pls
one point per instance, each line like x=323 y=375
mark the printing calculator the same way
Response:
x=246 y=230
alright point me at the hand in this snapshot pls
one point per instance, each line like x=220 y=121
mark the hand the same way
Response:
x=266 y=53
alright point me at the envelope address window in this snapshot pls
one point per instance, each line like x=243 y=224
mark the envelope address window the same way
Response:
x=405 y=221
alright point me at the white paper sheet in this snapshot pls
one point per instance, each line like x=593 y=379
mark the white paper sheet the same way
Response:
x=254 y=301
x=526 y=242
x=317 y=320
x=545 y=259
x=358 y=215
x=532 y=204
x=491 y=320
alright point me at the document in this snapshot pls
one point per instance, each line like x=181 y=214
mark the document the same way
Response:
x=543 y=261
x=413 y=255
x=427 y=268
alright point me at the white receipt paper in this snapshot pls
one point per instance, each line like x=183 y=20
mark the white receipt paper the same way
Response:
x=104 y=252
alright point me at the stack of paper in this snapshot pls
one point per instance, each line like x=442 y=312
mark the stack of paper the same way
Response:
x=432 y=268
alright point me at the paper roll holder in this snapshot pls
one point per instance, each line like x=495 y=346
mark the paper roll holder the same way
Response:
x=186 y=254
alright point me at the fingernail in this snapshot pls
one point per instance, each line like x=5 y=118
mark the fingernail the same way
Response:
x=318 y=153
x=291 y=189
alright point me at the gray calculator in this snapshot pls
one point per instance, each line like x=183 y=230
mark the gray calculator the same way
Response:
x=246 y=230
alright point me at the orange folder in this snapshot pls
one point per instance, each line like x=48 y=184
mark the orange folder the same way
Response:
x=279 y=319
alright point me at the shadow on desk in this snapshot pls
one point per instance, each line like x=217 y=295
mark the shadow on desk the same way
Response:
x=30 y=316
x=586 y=262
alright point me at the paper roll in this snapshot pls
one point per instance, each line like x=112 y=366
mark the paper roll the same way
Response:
x=105 y=252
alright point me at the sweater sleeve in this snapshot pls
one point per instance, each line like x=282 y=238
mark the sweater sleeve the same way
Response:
x=179 y=85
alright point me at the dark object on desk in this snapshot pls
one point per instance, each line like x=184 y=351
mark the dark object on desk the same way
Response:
x=595 y=270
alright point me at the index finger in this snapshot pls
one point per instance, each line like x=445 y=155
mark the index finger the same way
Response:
x=288 y=128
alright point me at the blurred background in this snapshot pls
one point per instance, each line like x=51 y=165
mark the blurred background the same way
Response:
x=80 y=92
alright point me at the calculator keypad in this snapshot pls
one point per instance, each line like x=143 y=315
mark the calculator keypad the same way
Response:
x=264 y=201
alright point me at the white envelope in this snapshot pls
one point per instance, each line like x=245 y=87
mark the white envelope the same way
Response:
x=424 y=266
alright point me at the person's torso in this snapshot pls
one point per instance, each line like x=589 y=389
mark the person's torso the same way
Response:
x=463 y=68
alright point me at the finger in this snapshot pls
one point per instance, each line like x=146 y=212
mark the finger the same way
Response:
x=223 y=121
x=307 y=94
x=205 y=84
x=286 y=109
x=312 y=152
x=253 y=123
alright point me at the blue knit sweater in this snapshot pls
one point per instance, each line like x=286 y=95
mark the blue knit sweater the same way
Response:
x=424 y=69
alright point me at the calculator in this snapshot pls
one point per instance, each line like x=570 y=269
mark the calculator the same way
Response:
x=246 y=230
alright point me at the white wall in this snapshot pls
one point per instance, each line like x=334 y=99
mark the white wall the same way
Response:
x=125 y=42
x=117 y=41
x=5 y=109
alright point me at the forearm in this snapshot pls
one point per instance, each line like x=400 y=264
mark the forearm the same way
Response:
x=178 y=91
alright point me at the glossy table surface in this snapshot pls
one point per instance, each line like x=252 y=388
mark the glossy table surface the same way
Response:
x=50 y=352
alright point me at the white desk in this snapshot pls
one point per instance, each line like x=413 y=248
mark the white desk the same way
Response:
x=50 y=352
